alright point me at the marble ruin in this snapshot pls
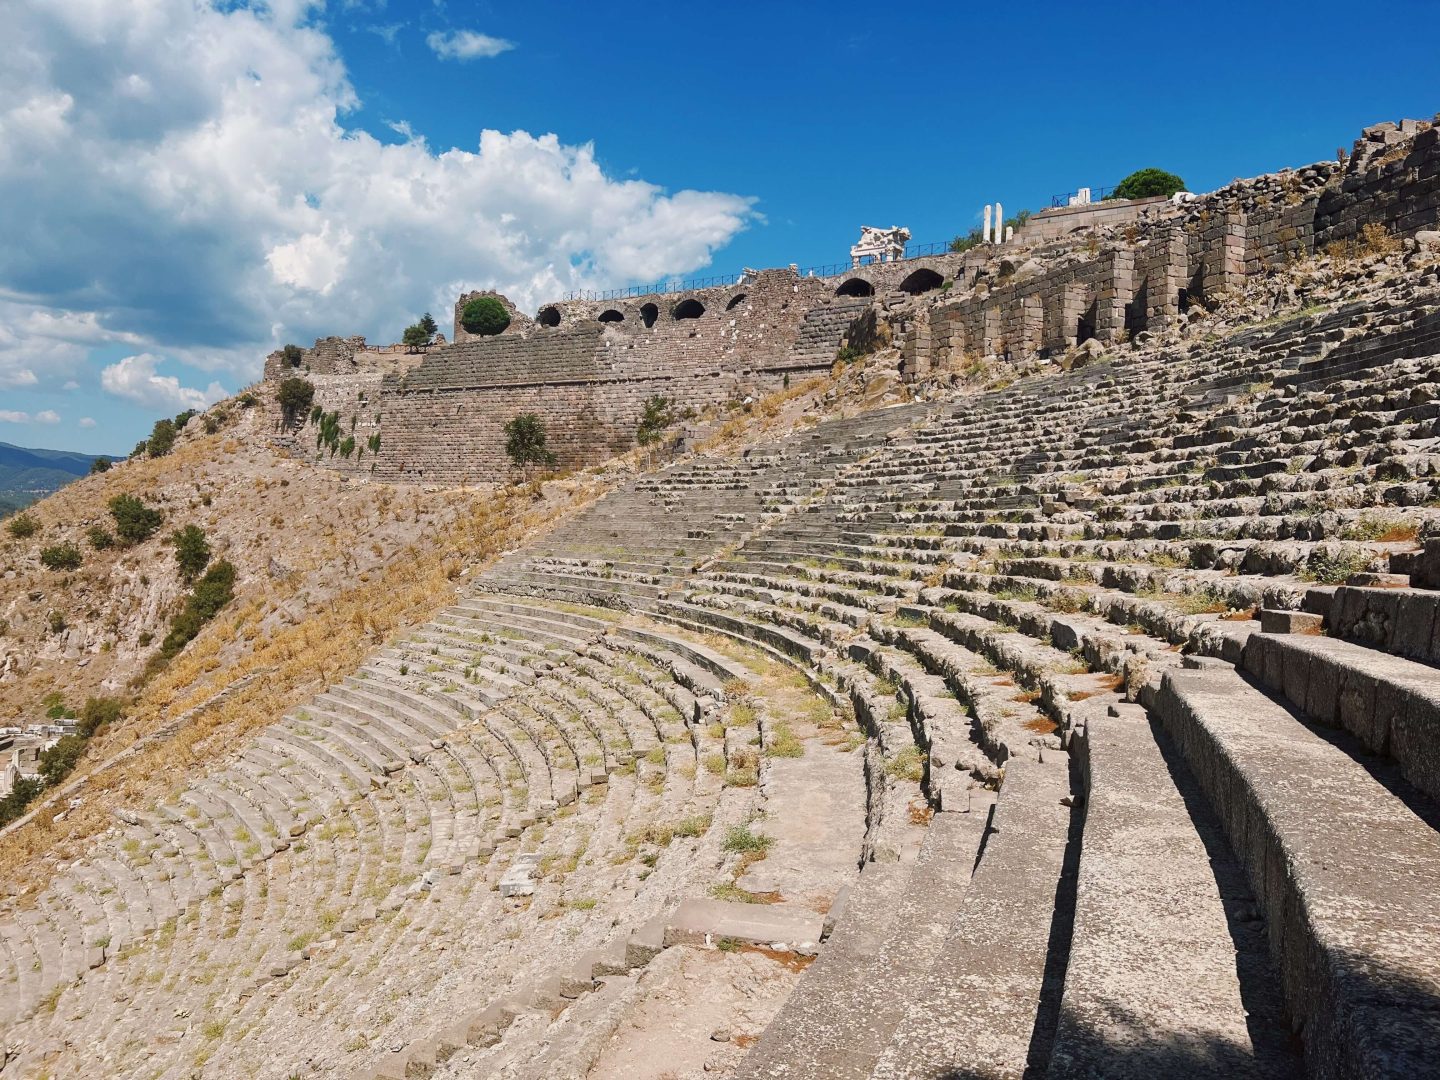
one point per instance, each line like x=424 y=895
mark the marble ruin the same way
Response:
x=882 y=245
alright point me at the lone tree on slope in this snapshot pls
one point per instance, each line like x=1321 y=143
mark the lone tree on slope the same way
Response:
x=295 y=395
x=1143 y=183
x=525 y=442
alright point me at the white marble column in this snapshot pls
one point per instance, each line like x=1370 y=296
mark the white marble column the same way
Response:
x=999 y=223
x=986 y=235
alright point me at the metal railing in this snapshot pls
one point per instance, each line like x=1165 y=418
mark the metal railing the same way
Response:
x=820 y=270
x=1096 y=195
x=660 y=288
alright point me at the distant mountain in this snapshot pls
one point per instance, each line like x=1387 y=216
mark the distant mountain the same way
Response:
x=27 y=474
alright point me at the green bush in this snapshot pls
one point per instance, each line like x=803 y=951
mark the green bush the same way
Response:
x=22 y=526
x=21 y=795
x=211 y=593
x=100 y=712
x=292 y=355
x=134 y=521
x=100 y=537
x=964 y=243
x=295 y=395
x=99 y=465
x=162 y=438
x=654 y=420
x=192 y=551
x=57 y=762
x=485 y=316
x=525 y=441
x=64 y=556
x=184 y=418
x=55 y=707
x=1144 y=183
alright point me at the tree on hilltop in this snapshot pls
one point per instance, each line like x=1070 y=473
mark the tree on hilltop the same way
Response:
x=484 y=316
x=162 y=438
x=420 y=334
x=1145 y=183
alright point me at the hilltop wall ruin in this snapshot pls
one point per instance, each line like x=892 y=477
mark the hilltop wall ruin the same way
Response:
x=1108 y=273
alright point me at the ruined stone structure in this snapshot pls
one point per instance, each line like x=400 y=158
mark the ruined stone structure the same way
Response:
x=1104 y=271
x=1081 y=726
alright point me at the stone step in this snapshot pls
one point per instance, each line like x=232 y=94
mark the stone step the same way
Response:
x=1345 y=862
x=989 y=986
x=1161 y=903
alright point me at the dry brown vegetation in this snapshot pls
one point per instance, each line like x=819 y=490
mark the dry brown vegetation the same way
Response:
x=364 y=561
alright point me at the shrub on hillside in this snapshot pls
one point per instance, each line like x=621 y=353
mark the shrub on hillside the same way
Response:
x=64 y=556
x=134 y=521
x=100 y=538
x=192 y=551
x=1145 y=183
x=295 y=395
x=184 y=418
x=99 y=465
x=21 y=795
x=162 y=438
x=100 y=712
x=292 y=355
x=485 y=316
x=57 y=762
x=22 y=526
x=211 y=593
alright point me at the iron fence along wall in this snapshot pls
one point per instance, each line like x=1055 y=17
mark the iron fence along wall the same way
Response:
x=820 y=270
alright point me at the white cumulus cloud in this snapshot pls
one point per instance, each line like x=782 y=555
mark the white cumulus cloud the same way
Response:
x=178 y=177
x=87 y=421
x=47 y=416
x=135 y=379
x=466 y=45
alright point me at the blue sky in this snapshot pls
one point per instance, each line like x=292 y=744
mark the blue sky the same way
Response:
x=185 y=188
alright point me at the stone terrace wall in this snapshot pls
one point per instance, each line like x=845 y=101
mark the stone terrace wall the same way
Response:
x=1052 y=224
x=587 y=367
x=1115 y=281
x=1392 y=177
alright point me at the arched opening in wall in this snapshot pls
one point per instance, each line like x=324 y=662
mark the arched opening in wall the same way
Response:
x=735 y=301
x=648 y=314
x=548 y=316
x=855 y=287
x=612 y=316
x=921 y=281
x=688 y=309
x=1085 y=325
